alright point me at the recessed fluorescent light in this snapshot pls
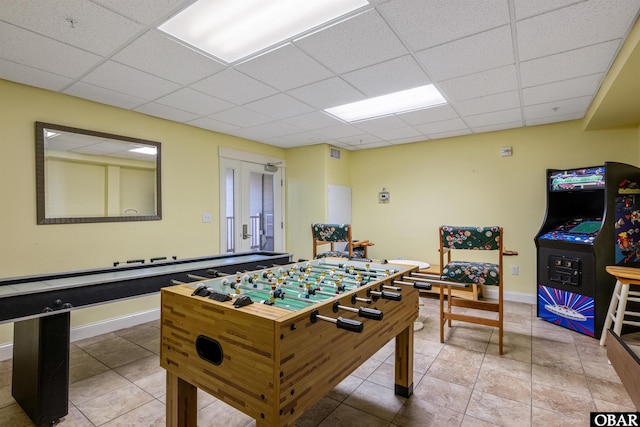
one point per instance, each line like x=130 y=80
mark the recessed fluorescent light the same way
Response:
x=50 y=134
x=393 y=103
x=145 y=150
x=234 y=29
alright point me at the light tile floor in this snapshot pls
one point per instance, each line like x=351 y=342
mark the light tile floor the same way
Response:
x=548 y=376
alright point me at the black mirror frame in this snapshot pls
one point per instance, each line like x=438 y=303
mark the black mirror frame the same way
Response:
x=40 y=178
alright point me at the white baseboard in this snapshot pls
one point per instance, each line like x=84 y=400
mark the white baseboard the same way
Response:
x=97 y=328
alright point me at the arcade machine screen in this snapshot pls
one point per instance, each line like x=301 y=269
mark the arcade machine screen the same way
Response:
x=578 y=230
x=577 y=179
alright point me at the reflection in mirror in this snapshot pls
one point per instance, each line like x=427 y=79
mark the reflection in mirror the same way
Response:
x=87 y=176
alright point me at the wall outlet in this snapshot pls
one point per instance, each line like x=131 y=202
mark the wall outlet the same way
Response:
x=515 y=270
x=206 y=217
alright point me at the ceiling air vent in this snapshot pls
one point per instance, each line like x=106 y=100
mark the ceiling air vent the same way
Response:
x=334 y=153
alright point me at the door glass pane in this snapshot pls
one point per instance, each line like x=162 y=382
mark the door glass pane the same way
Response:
x=261 y=205
x=230 y=210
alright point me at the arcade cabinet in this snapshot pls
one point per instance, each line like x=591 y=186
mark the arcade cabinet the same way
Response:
x=592 y=220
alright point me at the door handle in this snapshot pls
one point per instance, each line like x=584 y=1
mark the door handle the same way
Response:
x=245 y=234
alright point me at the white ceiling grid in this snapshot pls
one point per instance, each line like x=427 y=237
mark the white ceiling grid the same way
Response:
x=500 y=64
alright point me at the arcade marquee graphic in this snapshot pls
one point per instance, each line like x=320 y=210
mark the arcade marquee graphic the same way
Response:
x=573 y=311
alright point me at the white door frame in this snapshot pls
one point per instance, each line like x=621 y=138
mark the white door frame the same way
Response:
x=230 y=157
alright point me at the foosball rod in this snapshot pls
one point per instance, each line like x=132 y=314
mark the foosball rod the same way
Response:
x=424 y=286
x=293 y=286
x=345 y=266
x=341 y=323
x=347 y=280
x=366 y=312
x=264 y=291
x=424 y=279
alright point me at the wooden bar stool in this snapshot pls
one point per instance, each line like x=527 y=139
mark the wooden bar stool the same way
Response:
x=625 y=278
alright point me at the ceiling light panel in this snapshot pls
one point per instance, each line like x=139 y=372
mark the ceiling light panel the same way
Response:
x=393 y=103
x=232 y=30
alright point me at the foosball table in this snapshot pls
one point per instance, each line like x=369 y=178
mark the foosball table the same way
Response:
x=274 y=341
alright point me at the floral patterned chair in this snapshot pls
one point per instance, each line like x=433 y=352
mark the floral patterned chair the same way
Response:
x=330 y=234
x=470 y=241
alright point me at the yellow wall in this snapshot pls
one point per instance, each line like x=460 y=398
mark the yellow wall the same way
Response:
x=464 y=180
x=431 y=182
x=306 y=193
x=189 y=187
x=338 y=170
x=310 y=171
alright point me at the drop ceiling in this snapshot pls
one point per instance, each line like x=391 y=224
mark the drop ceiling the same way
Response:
x=499 y=63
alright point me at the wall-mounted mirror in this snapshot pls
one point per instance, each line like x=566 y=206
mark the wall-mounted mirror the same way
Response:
x=86 y=176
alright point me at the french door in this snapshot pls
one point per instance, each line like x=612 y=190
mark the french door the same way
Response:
x=251 y=206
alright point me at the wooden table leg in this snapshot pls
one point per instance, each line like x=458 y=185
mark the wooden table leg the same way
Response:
x=182 y=402
x=404 y=362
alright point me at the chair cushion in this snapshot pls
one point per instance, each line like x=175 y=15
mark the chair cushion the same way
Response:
x=330 y=232
x=482 y=238
x=481 y=273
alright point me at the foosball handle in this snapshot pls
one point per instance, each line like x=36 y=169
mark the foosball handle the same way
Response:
x=370 y=313
x=349 y=324
x=422 y=286
x=391 y=295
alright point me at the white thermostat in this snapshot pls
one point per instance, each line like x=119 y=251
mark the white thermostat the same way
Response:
x=383 y=196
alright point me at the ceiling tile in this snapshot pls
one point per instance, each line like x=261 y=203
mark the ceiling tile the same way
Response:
x=364 y=40
x=527 y=8
x=464 y=47
x=234 y=87
x=501 y=126
x=157 y=54
x=284 y=68
x=358 y=140
x=118 y=77
x=382 y=123
x=397 y=134
x=388 y=77
x=480 y=84
x=241 y=117
x=313 y=120
x=480 y=52
x=449 y=134
x=429 y=115
x=211 y=124
x=327 y=93
x=368 y=146
x=303 y=138
x=94 y=28
x=582 y=86
x=30 y=49
x=443 y=126
x=427 y=23
x=145 y=11
x=103 y=96
x=408 y=140
x=554 y=119
x=567 y=65
x=495 y=118
x=166 y=112
x=279 y=106
x=267 y=130
x=342 y=131
x=195 y=102
x=557 y=108
x=576 y=26
x=489 y=103
x=32 y=76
